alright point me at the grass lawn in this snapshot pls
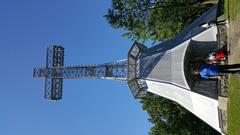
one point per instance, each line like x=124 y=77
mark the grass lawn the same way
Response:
x=234 y=106
x=232 y=8
x=231 y=11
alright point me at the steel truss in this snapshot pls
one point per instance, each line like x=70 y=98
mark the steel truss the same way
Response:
x=116 y=71
x=55 y=72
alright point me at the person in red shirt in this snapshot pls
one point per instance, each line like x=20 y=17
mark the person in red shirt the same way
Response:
x=219 y=55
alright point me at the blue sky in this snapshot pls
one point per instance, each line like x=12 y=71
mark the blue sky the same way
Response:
x=88 y=107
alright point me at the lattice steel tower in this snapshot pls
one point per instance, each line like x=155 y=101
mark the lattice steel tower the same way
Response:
x=55 y=72
x=165 y=70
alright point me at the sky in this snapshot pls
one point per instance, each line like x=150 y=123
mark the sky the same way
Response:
x=88 y=107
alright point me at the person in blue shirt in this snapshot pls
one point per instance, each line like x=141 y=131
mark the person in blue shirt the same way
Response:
x=215 y=71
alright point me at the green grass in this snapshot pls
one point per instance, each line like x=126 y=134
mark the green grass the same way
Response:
x=232 y=9
x=234 y=106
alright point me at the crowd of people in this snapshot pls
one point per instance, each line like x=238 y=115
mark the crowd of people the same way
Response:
x=215 y=67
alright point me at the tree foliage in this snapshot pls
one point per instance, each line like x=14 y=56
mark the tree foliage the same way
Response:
x=156 y=20
x=169 y=118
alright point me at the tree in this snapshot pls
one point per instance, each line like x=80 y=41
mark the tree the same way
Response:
x=156 y=20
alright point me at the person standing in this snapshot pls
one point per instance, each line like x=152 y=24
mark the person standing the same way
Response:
x=215 y=71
